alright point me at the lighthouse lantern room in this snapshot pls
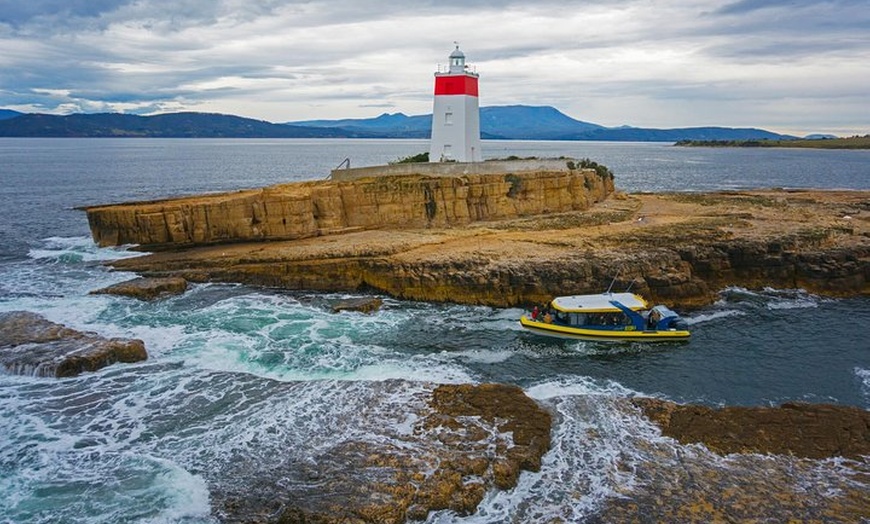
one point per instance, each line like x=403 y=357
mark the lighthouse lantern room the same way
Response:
x=456 y=115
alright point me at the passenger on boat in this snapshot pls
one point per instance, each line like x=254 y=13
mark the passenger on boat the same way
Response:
x=548 y=319
x=535 y=313
x=652 y=319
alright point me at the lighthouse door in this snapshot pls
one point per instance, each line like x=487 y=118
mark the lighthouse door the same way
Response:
x=447 y=154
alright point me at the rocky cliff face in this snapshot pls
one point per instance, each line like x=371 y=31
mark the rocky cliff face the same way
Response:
x=307 y=209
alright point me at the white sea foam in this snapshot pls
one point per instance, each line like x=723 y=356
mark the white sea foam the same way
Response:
x=483 y=356
x=280 y=338
x=577 y=386
x=185 y=496
x=595 y=447
x=863 y=375
x=771 y=298
x=795 y=303
x=712 y=316
x=80 y=249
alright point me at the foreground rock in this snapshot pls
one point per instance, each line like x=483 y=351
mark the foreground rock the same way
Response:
x=451 y=445
x=32 y=345
x=680 y=249
x=753 y=465
x=464 y=440
x=805 y=430
x=146 y=288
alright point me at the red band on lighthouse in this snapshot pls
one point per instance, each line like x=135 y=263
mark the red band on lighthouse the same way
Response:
x=456 y=85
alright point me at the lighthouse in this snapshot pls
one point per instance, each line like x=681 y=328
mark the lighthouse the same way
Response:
x=456 y=115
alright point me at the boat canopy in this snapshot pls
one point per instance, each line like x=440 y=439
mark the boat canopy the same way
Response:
x=598 y=303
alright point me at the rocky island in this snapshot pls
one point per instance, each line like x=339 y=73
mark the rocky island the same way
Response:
x=500 y=239
x=514 y=235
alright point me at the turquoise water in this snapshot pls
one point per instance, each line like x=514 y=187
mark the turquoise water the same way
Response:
x=239 y=372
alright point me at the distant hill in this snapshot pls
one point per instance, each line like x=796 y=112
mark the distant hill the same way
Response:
x=515 y=122
x=170 y=125
x=519 y=122
x=396 y=125
x=8 y=113
x=854 y=142
x=639 y=134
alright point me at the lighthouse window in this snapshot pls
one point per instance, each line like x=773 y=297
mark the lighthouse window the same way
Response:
x=448 y=118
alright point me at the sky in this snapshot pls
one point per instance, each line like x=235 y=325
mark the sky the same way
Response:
x=795 y=66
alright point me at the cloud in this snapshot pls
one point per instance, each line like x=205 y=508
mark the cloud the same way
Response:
x=668 y=64
x=19 y=13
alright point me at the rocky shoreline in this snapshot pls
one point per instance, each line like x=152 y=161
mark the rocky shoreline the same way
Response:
x=679 y=249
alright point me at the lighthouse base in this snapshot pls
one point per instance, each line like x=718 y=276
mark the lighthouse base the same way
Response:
x=488 y=167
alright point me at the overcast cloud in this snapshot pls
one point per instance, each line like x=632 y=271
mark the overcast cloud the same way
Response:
x=799 y=66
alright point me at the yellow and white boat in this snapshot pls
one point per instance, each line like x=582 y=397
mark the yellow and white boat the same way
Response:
x=606 y=316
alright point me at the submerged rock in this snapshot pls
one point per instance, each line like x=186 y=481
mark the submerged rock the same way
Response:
x=362 y=305
x=146 y=288
x=804 y=430
x=32 y=345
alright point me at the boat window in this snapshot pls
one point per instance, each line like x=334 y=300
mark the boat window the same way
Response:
x=608 y=319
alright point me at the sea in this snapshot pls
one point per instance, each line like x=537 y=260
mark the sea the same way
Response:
x=231 y=367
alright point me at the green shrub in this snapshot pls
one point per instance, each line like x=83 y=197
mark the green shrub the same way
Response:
x=413 y=159
x=602 y=171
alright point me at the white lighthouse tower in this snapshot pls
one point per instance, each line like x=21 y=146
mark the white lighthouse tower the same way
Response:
x=456 y=115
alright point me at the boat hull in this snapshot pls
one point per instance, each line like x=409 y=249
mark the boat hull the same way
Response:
x=616 y=335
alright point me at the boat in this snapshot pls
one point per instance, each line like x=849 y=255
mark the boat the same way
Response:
x=606 y=316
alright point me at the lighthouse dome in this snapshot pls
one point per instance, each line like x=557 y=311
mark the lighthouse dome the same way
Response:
x=457 y=61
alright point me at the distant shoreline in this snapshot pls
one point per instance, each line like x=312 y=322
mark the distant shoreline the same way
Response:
x=855 y=142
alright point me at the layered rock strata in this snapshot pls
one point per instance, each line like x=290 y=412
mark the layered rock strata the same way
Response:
x=32 y=345
x=307 y=209
x=681 y=249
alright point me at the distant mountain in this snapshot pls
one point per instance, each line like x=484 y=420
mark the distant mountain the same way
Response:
x=515 y=122
x=519 y=122
x=170 y=125
x=8 y=113
x=506 y=122
x=531 y=123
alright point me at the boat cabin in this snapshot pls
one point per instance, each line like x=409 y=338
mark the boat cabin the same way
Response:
x=613 y=311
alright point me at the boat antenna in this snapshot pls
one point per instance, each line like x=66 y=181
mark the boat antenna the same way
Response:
x=612 y=282
x=629 y=286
